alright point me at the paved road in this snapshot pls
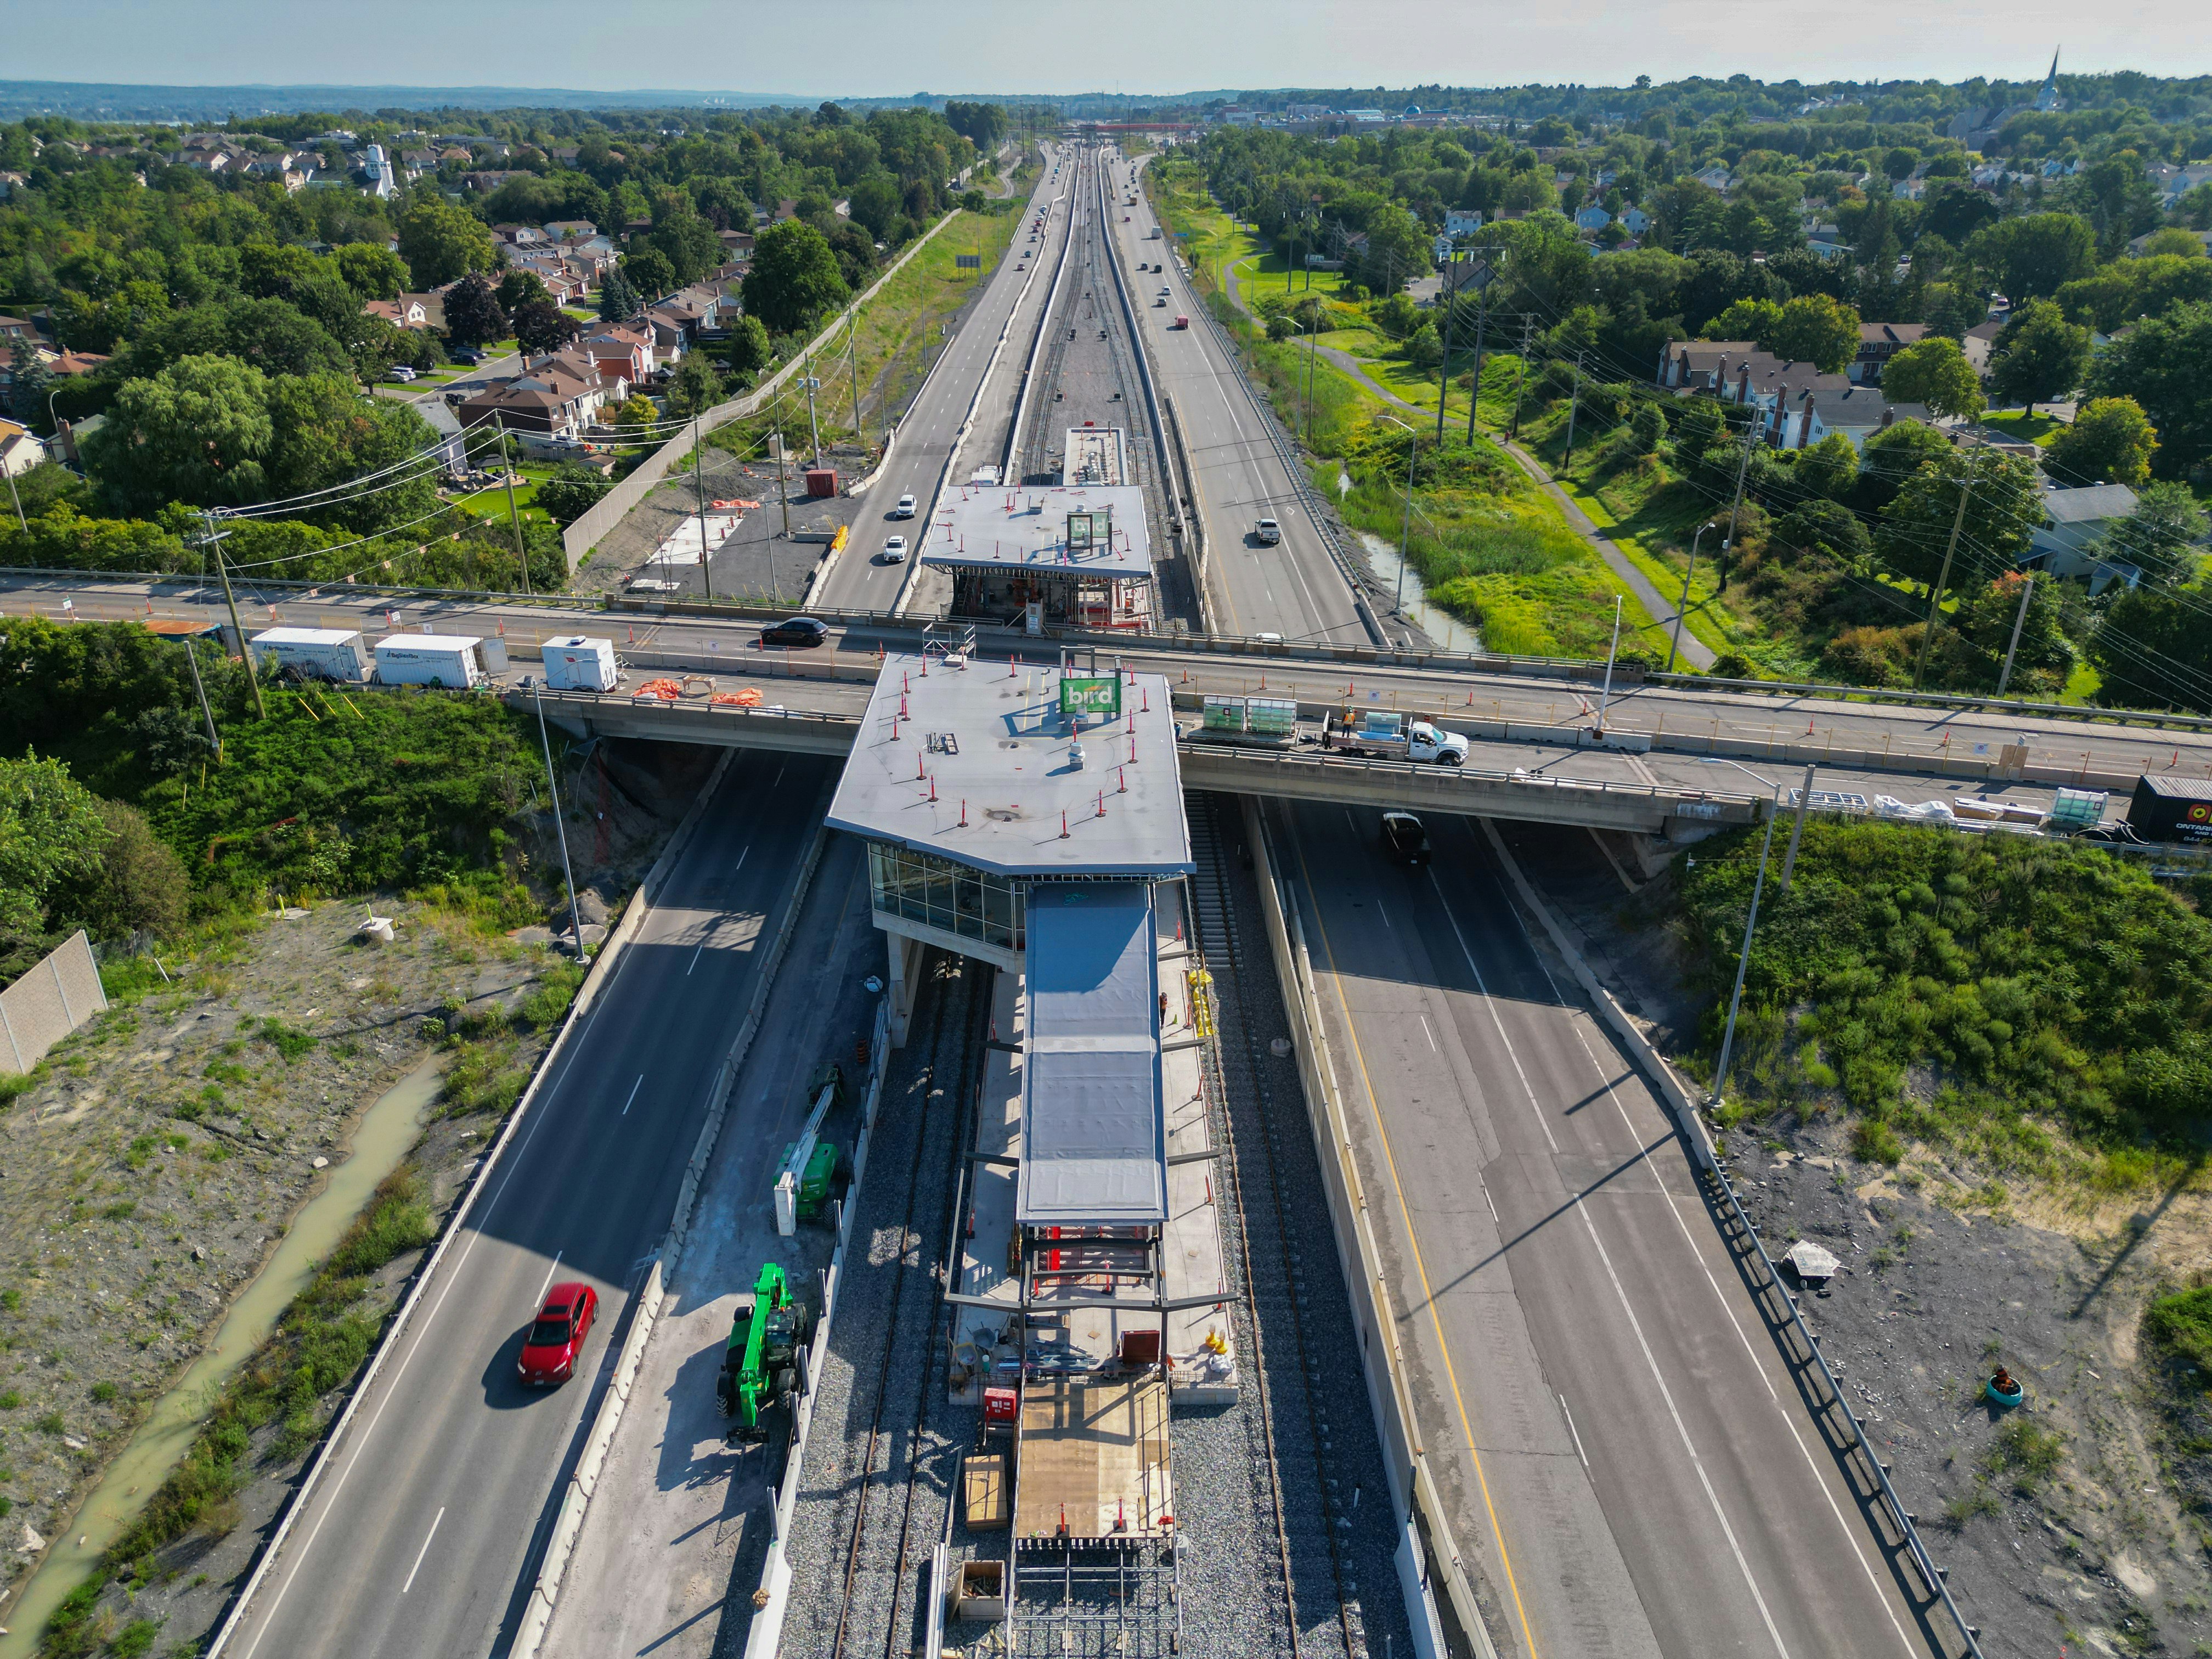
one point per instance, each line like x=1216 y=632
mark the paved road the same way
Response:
x=1629 y=1458
x=1293 y=589
x=422 y=1541
x=860 y=580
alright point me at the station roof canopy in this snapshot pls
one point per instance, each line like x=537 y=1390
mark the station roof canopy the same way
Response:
x=1042 y=528
x=991 y=742
x=1094 y=1123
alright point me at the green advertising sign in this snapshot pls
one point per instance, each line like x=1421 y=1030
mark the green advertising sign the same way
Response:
x=1085 y=696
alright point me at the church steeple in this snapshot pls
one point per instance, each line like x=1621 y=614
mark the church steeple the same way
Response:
x=2048 y=98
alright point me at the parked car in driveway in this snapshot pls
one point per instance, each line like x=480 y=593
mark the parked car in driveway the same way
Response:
x=402 y=372
x=465 y=354
x=796 y=633
x=555 y=1337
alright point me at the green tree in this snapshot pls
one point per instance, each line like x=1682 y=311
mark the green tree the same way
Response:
x=2111 y=441
x=650 y=273
x=2175 y=240
x=442 y=243
x=27 y=392
x=2004 y=505
x=1825 y=526
x=474 y=316
x=749 y=348
x=199 y=432
x=324 y=433
x=2153 y=648
x=1815 y=329
x=571 y=492
x=140 y=884
x=695 y=387
x=517 y=288
x=1424 y=350
x=1647 y=428
x=2163 y=537
x=2039 y=357
x=794 y=278
x=1934 y=372
x=1829 y=468
x=51 y=832
x=685 y=239
x=1893 y=455
x=1985 y=616
x=542 y=326
x=2029 y=257
x=1752 y=320
x=876 y=203
x=2165 y=363
x=618 y=300
x=1950 y=308
x=372 y=270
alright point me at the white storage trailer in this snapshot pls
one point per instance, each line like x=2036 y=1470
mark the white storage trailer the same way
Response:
x=579 y=663
x=322 y=653
x=454 y=660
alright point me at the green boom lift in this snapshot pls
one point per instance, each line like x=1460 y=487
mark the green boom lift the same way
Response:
x=758 y=1365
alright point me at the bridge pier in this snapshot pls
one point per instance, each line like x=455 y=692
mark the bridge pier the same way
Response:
x=905 y=982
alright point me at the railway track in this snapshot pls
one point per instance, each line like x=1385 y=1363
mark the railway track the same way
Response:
x=1297 y=1484
x=887 y=1503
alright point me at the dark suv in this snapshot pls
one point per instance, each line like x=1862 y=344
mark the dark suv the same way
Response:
x=1404 y=838
x=796 y=633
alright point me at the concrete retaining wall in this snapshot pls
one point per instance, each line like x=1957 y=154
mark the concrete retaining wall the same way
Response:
x=49 y=1002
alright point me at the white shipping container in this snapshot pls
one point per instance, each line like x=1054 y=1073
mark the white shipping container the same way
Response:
x=579 y=663
x=449 y=659
x=323 y=653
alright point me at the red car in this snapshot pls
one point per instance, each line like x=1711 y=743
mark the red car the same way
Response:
x=556 y=1336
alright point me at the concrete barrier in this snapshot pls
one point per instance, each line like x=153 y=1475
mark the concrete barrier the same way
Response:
x=602 y=971
x=1414 y=1490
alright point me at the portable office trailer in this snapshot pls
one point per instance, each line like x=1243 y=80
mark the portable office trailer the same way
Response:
x=454 y=660
x=579 y=663
x=322 y=653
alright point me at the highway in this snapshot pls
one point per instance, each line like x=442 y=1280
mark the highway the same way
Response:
x=1015 y=291
x=1630 y=1461
x=420 y=1540
x=1294 y=589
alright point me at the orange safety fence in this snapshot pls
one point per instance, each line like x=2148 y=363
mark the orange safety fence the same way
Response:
x=662 y=690
x=748 y=698
x=724 y=506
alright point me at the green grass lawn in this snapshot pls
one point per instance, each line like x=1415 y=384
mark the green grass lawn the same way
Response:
x=2039 y=430
x=492 y=503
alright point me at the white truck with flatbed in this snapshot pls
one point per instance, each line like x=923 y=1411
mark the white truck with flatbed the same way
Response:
x=1377 y=734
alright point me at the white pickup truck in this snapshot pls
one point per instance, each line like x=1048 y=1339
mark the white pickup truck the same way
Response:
x=1382 y=736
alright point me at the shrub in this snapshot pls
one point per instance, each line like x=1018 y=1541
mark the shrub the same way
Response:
x=104 y=1391
x=1873 y=1142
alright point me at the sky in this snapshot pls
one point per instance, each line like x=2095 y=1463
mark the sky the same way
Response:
x=884 y=48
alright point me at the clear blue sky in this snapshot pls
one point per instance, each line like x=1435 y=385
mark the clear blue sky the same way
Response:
x=870 y=48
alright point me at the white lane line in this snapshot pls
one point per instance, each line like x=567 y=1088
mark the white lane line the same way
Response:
x=1788 y=1420
x=424 y=1550
x=1627 y=1308
x=1431 y=1034
x=1573 y=1431
x=1384 y=910
x=633 y=1088
x=391 y=1388
x=548 y=1284
x=704 y=937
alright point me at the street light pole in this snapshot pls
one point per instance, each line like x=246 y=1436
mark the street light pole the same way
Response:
x=1612 y=650
x=813 y=427
x=1406 y=530
x=699 y=490
x=2004 y=675
x=553 y=783
x=1683 y=604
x=514 y=518
x=1942 y=581
x=13 y=496
x=1481 y=323
x=1743 y=961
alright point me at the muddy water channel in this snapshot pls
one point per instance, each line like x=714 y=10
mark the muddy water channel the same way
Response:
x=379 y=1143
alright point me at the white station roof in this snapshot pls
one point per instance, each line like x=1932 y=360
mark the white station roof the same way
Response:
x=1013 y=528
x=991 y=739
x=1094 y=1120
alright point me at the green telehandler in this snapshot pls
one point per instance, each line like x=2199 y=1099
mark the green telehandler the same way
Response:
x=759 y=1365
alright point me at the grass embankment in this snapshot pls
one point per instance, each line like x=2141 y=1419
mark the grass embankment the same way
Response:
x=2038 y=1007
x=1490 y=547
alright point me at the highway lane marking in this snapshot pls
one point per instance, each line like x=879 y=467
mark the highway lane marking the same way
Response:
x=548 y=1284
x=1573 y=1431
x=633 y=1088
x=1851 y=1532
x=1431 y=1034
x=424 y=1550
x=1420 y=1265
x=1627 y=1308
x=705 y=936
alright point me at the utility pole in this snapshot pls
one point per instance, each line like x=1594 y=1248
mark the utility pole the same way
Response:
x=853 y=363
x=1743 y=962
x=553 y=784
x=214 y=738
x=1743 y=466
x=222 y=569
x=21 y=522
x=1796 y=831
x=1406 y=530
x=2004 y=675
x=1682 y=606
x=1520 y=380
x=1574 y=407
x=782 y=488
x=813 y=427
x=699 y=489
x=514 y=517
x=1612 y=650
x=1443 y=374
x=1942 y=580
x=1481 y=321
x=1312 y=328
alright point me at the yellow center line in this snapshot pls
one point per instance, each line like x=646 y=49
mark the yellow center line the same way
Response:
x=1420 y=1266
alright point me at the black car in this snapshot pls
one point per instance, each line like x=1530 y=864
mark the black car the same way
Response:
x=465 y=354
x=796 y=633
x=1404 y=838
